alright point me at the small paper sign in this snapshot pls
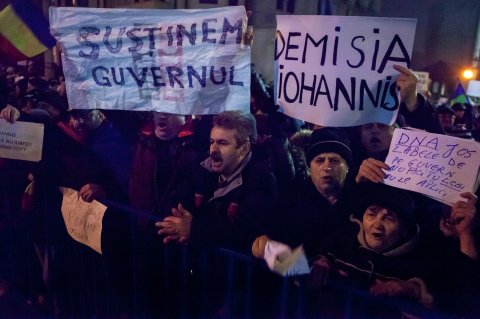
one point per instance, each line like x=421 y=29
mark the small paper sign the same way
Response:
x=21 y=140
x=83 y=220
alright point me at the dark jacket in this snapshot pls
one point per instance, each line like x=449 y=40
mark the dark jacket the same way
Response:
x=159 y=168
x=306 y=217
x=361 y=266
x=113 y=151
x=233 y=215
x=424 y=117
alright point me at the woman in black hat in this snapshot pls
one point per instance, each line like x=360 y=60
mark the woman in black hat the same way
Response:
x=377 y=256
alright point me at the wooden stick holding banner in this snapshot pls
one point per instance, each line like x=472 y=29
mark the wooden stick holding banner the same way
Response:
x=438 y=166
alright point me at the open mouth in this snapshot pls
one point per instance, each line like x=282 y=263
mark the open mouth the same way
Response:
x=378 y=236
x=375 y=140
x=162 y=125
x=216 y=158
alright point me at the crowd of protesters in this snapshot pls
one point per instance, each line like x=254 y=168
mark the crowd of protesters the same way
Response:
x=190 y=198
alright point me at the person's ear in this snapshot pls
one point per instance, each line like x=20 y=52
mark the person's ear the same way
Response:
x=245 y=148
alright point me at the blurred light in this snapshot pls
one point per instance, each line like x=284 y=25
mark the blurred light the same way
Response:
x=468 y=74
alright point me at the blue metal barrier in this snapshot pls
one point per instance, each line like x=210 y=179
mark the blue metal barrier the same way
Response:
x=243 y=282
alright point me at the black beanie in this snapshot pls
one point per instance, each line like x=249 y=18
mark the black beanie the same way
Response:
x=386 y=196
x=329 y=140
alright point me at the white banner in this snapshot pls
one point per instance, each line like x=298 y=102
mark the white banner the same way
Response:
x=21 y=140
x=473 y=88
x=438 y=166
x=337 y=71
x=175 y=61
x=83 y=220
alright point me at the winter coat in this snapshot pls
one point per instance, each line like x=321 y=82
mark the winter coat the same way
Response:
x=233 y=215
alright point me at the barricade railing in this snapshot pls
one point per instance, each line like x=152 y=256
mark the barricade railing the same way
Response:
x=243 y=287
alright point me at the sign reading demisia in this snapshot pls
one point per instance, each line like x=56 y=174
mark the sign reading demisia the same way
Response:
x=338 y=71
x=175 y=61
x=438 y=166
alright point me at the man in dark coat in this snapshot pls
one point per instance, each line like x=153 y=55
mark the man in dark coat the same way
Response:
x=232 y=203
x=233 y=200
x=316 y=205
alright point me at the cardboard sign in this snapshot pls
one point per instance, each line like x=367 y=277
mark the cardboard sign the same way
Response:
x=21 y=140
x=83 y=220
x=175 y=61
x=438 y=166
x=338 y=71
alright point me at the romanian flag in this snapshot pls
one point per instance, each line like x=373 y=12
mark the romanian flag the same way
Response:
x=24 y=31
x=460 y=95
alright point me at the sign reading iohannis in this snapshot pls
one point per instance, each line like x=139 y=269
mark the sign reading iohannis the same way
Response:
x=337 y=71
x=176 y=61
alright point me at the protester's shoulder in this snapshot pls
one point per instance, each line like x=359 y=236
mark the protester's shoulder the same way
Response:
x=257 y=170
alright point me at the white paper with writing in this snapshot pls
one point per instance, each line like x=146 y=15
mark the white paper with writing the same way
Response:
x=338 y=71
x=175 y=61
x=21 y=140
x=83 y=220
x=438 y=166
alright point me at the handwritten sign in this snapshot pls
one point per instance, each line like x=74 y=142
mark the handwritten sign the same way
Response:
x=21 y=140
x=438 y=166
x=175 y=61
x=83 y=220
x=337 y=71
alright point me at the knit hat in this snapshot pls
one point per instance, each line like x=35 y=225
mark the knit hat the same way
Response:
x=329 y=140
x=445 y=108
x=459 y=107
x=386 y=196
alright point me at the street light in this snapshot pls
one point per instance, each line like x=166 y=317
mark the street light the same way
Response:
x=468 y=74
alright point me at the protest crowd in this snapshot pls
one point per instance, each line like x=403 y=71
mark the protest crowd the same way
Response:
x=204 y=211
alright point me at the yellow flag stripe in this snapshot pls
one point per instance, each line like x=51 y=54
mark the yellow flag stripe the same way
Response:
x=17 y=32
